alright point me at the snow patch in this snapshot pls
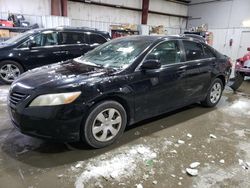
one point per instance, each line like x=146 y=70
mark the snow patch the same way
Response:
x=192 y=172
x=116 y=167
x=194 y=165
x=3 y=95
x=239 y=108
x=240 y=133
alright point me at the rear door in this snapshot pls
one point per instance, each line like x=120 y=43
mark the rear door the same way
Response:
x=198 y=67
x=73 y=44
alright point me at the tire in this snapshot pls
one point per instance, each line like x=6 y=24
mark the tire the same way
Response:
x=96 y=131
x=213 y=95
x=12 y=68
x=236 y=82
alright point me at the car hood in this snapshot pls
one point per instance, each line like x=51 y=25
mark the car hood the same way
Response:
x=61 y=75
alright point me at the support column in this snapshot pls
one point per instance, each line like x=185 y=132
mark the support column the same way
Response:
x=56 y=7
x=64 y=4
x=144 y=16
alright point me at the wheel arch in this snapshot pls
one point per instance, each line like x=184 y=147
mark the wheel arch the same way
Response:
x=120 y=100
x=15 y=60
x=222 y=78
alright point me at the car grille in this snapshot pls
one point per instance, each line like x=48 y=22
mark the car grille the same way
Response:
x=17 y=97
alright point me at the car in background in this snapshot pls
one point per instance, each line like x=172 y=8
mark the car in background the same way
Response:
x=197 y=37
x=40 y=47
x=126 y=80
x=242 y=69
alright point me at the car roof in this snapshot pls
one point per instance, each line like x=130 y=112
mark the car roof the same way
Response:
x=67 y=28
x=154 y=38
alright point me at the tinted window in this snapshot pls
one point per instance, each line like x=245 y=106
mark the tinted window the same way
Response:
x=72 y=38
x=193 y=50
x=167 y=53
x=96 y=39
x=42 y=39
x=208 y=52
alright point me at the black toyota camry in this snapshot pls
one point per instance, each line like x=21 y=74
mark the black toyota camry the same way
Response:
x=94 y=97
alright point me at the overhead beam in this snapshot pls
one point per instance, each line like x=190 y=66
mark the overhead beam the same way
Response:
x=144 y=16
x=207 y=2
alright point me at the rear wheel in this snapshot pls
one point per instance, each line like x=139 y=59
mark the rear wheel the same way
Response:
x=214 y=93
x=9 y=71
x=104 y=125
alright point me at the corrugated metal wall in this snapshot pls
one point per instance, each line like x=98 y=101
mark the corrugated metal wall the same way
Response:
x=101 y=17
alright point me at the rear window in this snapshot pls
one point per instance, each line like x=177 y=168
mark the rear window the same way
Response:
x=193 y=50
x=73 y=38
x=96 y=39
x=208 y=52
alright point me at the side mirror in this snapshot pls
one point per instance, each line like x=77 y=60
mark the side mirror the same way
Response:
x=151 y=64
x=31 y=44
x=248 y=49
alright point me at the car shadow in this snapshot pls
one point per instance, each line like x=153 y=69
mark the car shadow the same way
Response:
x=46 y=154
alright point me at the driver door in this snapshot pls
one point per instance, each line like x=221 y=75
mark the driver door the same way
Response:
x=159 y=90
x=44 y=50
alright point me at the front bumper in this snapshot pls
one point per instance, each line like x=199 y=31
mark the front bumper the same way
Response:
x=244 y=68
x=60 y=123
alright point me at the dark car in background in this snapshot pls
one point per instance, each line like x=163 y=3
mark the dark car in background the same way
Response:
x=126 y=80
x=40 y=47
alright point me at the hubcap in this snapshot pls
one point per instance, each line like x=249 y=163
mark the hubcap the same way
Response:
x=106 y=125
x=9 y=72
x=215 y=93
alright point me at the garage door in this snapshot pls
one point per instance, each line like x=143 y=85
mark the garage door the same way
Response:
x=244 y=43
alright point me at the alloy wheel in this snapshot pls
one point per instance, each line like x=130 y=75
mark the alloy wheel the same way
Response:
x=106 y=125
x=9 y=72
x=215 y=93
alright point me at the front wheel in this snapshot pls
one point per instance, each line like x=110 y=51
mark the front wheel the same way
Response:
x=214 y=93
x=9 y=71
x=104 y=125
x=236 y=82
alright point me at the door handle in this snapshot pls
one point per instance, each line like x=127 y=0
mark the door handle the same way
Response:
x=213 y=64
x=57 y=53
x=181 y=71
x=64 y=52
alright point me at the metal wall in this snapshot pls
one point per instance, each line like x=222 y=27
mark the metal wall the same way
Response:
x=31 y=7
x=225 y=19
x=101 y=17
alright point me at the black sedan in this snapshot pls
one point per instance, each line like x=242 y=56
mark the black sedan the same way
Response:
x=94 y=97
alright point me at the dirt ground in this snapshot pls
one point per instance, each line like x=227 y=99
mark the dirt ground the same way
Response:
x=153 y=153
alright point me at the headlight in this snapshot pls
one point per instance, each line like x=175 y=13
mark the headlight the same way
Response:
x=55 y=99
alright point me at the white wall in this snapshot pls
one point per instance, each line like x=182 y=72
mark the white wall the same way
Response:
x=104 y=16
x=221 y=14
x=167 y=7
x=224 y=19
x=31 y=7
x=83 y=11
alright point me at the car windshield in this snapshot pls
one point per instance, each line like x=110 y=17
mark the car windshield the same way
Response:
x=119 y=53
x=19 y=37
